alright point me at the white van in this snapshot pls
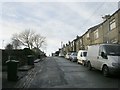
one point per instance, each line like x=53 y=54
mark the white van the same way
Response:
x=67 y=56
x=81 y=57
x=104 y=57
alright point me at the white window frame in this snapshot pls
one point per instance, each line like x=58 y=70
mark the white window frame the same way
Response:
x=80 y=41
x=112 y=24
x=88 y=35
x=96 y=34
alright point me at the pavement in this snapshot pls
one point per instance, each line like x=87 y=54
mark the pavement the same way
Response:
x=22 y=72
x=10 y=84
x=25 y=68
x=41 y=76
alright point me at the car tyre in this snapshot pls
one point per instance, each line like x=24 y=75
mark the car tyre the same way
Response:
x=105 y=71
x=83 y=63
x=72 y=60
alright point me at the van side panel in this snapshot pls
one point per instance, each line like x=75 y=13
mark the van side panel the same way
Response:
x=93 y=52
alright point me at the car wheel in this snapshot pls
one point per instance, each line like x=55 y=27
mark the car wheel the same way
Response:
x=105 y=71
x=89 y=66
x=73 y=60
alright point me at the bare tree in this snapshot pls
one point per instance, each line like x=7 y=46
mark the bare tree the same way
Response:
x=38 y=41
x=26 y=38
x=29 y=39
x=16 y=44
x=9 y=46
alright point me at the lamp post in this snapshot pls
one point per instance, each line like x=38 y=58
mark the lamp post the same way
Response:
x=61 y=44
x=2 y=44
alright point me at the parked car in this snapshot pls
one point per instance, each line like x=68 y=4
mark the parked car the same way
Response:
x=104 y=57
x=61 y=54
x=67 y=56
x=73 y=56
x=81 y=57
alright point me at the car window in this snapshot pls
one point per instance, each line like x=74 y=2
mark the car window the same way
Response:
x=84 y=54
x=100 y=50
x=81 y=54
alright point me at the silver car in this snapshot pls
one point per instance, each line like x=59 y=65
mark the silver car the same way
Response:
x=73 y=56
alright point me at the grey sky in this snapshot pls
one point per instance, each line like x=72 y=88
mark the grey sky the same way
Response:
x=57 y=21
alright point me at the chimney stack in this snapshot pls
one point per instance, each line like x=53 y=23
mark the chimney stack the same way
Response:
x=105 y=17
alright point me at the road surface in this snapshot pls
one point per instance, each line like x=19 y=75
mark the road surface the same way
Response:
x=57 y=72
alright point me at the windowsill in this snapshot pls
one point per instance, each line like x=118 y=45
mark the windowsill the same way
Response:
x=112 y=29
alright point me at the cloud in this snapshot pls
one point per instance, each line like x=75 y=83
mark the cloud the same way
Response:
x=57 y=21
x=59 y=0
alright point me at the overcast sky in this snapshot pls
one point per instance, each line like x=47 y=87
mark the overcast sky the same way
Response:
x=57 y=21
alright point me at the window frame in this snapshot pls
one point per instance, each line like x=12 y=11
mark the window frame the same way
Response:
x=96 y=34
x=112 y=24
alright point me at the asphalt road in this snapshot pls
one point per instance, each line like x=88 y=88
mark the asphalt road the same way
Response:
x=57 y=72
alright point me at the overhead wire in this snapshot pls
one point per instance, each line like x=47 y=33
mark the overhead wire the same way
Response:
x=96 y=10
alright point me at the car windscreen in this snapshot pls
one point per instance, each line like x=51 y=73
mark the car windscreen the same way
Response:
x=84 y=54
x=112 y=50
x=75 y=54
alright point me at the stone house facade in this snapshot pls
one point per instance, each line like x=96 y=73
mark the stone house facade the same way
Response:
x=106 y=32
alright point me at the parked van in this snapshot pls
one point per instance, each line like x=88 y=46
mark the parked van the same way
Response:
x=104 y=57
x=81 y=57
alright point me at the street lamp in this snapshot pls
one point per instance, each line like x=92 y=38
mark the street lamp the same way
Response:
x=61 y=44
x=2 y=44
